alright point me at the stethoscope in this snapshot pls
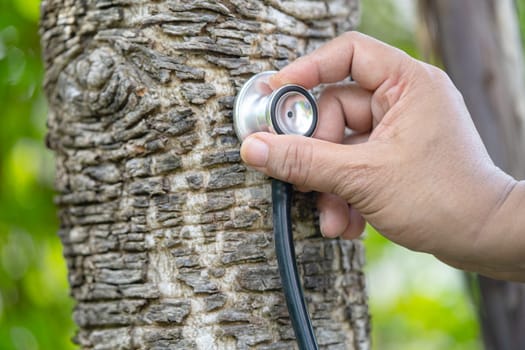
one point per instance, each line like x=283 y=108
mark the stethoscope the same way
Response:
x=291 y=110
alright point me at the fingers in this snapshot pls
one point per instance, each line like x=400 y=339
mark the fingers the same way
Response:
x=334 y=215
x=337 y=218
x=355 y=138
x=306 y=162
x=369 y=62
x=356 y=227
x=340 y=106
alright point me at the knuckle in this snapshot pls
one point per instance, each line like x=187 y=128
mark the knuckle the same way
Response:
x=436 y=79
x=296 y=166
x=349 y=181
x=435 y=74
x=357 y=182
x=329 y=99
x=331 y=92
x=350 y=35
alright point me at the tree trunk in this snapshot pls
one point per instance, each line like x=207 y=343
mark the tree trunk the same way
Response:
x=479 y=43
x=167 y=236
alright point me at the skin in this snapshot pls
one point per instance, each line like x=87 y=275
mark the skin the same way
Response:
x=414 y=166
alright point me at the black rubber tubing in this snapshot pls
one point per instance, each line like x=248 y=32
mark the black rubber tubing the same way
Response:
x=285 y=251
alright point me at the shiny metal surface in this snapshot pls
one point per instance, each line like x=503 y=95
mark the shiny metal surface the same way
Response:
x=288 y=110
x=249 y=111
x=294 y=114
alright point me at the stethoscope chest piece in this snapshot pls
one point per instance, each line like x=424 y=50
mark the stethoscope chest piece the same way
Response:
x=290 y=109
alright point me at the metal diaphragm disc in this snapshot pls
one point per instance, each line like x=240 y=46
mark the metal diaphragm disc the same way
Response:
x=290 y=109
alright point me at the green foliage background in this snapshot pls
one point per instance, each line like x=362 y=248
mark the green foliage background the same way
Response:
x=416 y=302
x=35 y=310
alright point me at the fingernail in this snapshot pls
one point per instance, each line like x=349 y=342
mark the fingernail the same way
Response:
x=254 y=152
x=322 y=218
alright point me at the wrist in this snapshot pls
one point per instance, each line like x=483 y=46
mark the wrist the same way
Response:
x=491 y=239
x=501 y=240
x=506 y=224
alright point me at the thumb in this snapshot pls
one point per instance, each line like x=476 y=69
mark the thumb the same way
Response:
x=306 y=162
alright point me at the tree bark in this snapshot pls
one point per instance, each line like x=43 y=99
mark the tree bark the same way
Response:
x=167 y=236
x=479 y=43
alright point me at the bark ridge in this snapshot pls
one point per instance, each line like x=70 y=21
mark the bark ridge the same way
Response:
x=167 y=235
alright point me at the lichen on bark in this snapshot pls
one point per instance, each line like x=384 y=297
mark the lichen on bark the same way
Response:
x=167 y=235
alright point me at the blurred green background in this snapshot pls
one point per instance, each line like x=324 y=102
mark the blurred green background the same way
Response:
x=416 y=302
x=35 y=309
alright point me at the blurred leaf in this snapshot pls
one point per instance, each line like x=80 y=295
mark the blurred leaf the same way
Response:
x=23 y=339
x=30 y=9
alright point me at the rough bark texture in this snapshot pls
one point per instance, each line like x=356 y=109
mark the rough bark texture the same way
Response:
x=167 y=235
x=479 y=43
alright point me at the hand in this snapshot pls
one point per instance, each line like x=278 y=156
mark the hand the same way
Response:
x=414 y=167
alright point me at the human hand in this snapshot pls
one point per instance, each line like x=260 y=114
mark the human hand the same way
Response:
x=422 y=176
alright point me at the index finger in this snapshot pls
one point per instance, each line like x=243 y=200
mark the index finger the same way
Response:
x=368 y=61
